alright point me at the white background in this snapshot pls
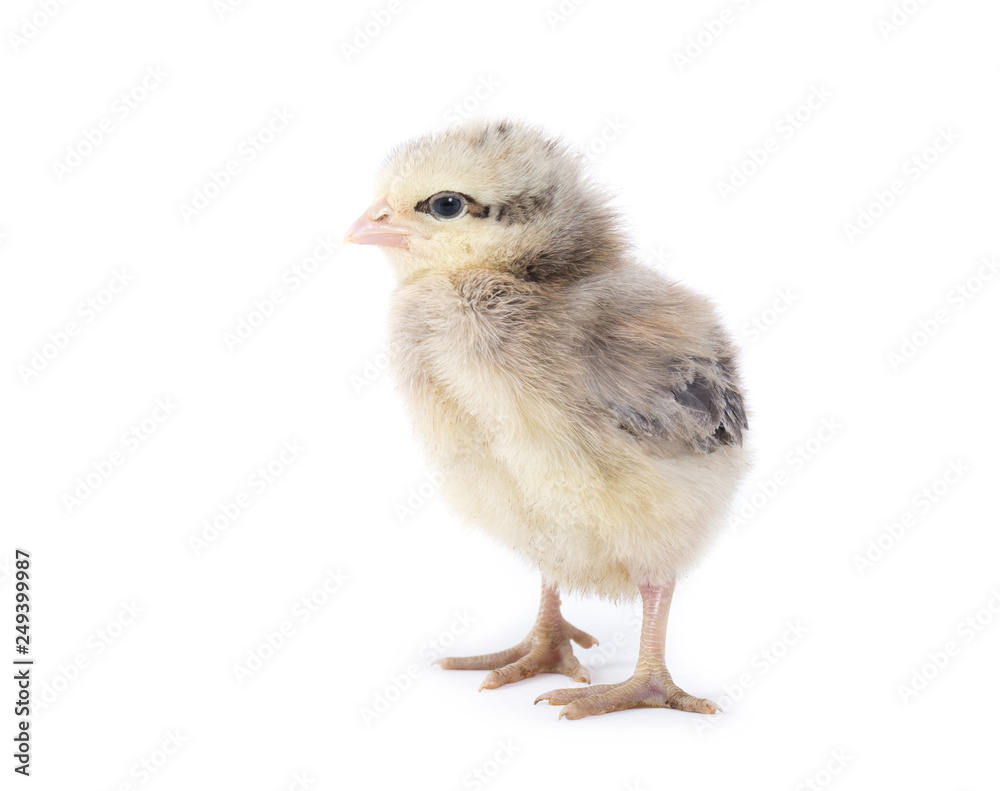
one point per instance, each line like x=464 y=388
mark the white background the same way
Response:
x=807 y=645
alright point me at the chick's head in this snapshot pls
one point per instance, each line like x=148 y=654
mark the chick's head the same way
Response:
x=496 y=194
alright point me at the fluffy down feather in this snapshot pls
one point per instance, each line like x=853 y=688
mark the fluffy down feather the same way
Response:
x=584 y=411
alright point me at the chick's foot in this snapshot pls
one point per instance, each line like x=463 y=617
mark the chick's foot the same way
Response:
x=546 y=649
x=645 y=689
x=650 y=687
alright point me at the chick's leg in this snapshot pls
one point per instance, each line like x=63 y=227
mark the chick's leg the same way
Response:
x=650 y=686
x=546 y=649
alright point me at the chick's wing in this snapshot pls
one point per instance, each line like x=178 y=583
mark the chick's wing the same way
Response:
x=664 y=371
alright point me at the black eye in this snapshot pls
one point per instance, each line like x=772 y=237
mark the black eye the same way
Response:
x=447 y=205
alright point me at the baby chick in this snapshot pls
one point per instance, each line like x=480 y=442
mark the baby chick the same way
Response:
x=583 y=410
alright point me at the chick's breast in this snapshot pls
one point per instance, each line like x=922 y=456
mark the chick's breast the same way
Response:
x=593 y=426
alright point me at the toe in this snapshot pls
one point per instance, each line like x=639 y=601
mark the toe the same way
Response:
x=526 y=667
x=596 y=704
x=580 y=637
x=560 y=697
x=570 y=666
x=483 y=661
x=679 y=699
x=599 y=704
x=573 y=711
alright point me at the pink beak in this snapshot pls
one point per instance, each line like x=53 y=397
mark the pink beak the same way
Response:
x=372 y=228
